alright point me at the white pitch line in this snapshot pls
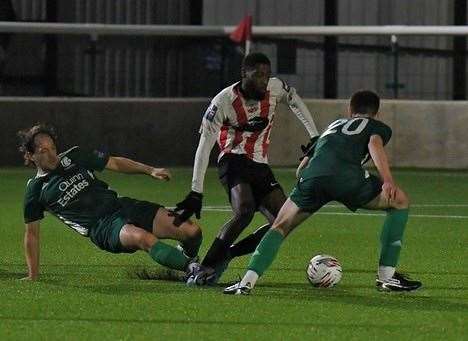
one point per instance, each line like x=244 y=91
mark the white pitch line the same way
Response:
x=411 y=215
x=412 y=205
x=398 y=172
x=228 y=209
x=416 y=205
x=434 y=174
x=439 y=205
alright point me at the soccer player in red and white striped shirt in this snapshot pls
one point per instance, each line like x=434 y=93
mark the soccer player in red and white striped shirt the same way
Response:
x=240 y=119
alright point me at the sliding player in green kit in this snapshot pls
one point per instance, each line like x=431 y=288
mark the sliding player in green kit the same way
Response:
x=66 y=186
x=333 y=171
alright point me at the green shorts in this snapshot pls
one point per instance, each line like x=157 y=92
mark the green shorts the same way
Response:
x=352 y=190
x=106 y=235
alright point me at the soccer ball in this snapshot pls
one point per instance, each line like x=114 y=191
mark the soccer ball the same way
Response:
x=324 y=271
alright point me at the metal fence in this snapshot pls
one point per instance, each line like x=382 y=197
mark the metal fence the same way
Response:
x=155 y=65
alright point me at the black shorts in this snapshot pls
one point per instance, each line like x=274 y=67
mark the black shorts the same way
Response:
x=234 y=169
x=136 y=212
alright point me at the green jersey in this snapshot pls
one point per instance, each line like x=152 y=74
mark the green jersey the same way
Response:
x=343 y=146
x=72 y=192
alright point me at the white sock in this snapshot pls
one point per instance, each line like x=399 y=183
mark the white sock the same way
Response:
x=386 y=272
x=250 y=278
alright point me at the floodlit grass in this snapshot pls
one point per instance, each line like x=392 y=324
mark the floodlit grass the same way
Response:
x=85 y=293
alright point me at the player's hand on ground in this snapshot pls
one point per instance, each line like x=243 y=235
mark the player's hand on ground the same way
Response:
x=161 y=174
x=192 y=204
x=390 y=190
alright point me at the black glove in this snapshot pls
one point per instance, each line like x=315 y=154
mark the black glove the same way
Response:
x=308 y=150
x=256 y=123
x=190 y=205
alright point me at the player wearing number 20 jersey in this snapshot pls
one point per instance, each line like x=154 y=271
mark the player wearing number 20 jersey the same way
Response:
x=333 y=172
x=343 y=145
x=339 y=154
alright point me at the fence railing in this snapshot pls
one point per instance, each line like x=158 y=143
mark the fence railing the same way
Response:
x=109 y=60
x=259 y=31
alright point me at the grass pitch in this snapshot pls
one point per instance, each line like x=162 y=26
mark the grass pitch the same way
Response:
x=85 y=293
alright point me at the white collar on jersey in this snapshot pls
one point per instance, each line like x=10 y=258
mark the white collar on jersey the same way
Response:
x=41 y=173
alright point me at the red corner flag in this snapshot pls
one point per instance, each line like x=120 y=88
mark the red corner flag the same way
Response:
x=243 y=31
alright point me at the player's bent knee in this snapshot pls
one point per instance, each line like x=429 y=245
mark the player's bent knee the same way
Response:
x=402 y=200
x=281 y=224
x=281 y=229
x=147 y=241
x=193 y=232
x=133 y=237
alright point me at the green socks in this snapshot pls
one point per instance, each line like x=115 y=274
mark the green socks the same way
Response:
x=266 y=252
x=391 y=236
x=169 y=256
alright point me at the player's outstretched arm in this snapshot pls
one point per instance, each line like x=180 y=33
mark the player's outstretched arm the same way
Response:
x=298 y=107
x=211 y=124
x=377 y=152
x=31 y=249
x=124 y=165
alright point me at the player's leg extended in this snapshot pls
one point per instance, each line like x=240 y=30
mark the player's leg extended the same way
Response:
x=243 y=208
x=391 y=240
x=269 y=207
x=289 y=217
x=136 y=238
x=188 y=233
x=393 y=228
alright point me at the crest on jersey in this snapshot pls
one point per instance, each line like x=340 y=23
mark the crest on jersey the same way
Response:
x=211 y=112
x=252 y=109
x=66 y=162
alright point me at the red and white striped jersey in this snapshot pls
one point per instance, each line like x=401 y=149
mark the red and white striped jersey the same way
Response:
x=229 y=111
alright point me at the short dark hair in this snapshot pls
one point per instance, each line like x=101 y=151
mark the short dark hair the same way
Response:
x=364 y=102
x=252 y=59
x=27 y=136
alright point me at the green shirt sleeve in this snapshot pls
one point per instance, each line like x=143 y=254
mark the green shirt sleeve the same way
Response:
x=383 y=130
x=90 y=159
x=32 y=209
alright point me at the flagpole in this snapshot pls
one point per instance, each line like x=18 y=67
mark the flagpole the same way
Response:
x=243 y=33
x=248 y=43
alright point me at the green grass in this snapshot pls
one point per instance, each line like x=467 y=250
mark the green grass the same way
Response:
x=85 y=293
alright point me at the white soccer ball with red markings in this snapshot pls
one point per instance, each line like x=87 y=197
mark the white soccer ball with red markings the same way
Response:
x=324 y=271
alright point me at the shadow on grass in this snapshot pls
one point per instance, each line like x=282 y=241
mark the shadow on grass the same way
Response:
x=127 y=288
x=361 y=271
x=345 y=295
x=8 y=275
x=155 y=274
x=357 y=296
x=237 y=268
x=153 y=280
